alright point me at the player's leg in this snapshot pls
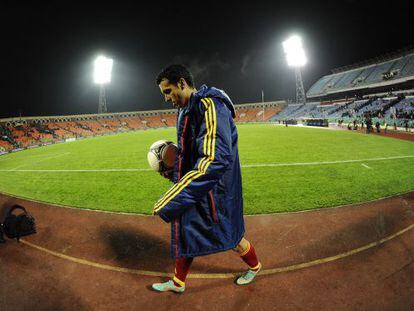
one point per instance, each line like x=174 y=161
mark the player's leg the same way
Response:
x=248 y=254
x=177 y=284
x=182 y=267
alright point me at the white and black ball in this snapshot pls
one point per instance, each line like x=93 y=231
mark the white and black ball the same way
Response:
x=161 y=155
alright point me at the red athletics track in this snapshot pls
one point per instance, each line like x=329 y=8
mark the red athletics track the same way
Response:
x=390 y=132
x=355 y=257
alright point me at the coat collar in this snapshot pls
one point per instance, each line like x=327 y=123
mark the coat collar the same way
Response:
x=205 y=91
x=194 y=99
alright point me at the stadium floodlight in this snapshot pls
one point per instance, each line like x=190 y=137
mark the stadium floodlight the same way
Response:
x=102 y=76
x=295 y=57
x=103 y=68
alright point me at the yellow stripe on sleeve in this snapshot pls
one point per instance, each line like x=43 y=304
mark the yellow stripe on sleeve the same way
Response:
x=177 y=185
x=206 y=116
x=213 y=143
x=208 y=149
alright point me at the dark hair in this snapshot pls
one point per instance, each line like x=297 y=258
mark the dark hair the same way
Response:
x=173 y=73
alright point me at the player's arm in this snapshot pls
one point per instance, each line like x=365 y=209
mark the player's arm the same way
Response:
x=214 y=144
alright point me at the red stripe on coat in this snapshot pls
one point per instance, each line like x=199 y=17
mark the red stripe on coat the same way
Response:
x=213 y=206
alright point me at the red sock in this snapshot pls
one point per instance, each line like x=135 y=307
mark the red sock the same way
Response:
x=182 y=266
x=249 y=257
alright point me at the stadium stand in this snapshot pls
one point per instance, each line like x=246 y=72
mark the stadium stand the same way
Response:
x=300 y=111
x=59 y=130
x=403 y=110
x=169 y=119
x=20 y=133
x=5 y=145
x=247 y=114
x=257 y=112
x=154 y=121
x=383 y=108
x=381 y=90
x=396 y=71
x=6 y=142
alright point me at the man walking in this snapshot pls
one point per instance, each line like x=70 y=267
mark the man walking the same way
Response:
x=205 y=204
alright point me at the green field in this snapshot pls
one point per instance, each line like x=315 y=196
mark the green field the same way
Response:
x=93 y=173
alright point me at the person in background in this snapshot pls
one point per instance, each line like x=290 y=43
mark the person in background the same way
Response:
x=378 y=127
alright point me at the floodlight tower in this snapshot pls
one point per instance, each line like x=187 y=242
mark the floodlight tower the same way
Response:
x=102 y=76
x=295 y=56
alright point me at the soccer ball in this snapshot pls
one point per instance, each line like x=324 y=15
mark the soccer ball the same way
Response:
x=161 y=155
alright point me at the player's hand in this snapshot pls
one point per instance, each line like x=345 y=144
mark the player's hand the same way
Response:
x=167 y=174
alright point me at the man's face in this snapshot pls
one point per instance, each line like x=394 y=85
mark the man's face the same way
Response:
x=173 y=93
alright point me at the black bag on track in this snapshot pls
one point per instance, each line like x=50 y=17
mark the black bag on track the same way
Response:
x=17 y=225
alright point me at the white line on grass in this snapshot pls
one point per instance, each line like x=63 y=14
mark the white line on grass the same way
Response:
x=366 y=166
x=42 y=160
x=86 y=170
x=244 y=166
x=327 y=162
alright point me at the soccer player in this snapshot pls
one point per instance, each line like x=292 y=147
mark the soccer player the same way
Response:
x=205 y=204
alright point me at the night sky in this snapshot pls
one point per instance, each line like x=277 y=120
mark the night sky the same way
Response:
x=47 y=50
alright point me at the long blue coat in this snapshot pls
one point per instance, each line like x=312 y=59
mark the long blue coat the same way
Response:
x=205 y=204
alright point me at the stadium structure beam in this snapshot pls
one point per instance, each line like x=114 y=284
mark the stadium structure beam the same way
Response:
x=102 y=76
x=102 y=100
x=300 y=90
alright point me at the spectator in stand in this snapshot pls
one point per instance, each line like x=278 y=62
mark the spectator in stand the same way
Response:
x=378 y=126
x=368 y=122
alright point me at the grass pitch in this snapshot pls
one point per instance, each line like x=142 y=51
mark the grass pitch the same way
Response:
x=284 y=169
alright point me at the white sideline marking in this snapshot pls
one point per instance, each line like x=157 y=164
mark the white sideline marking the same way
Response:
x=91 y=170
x=244 y=166
x=366 y=166
x=42 y=160
x=327 y=162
